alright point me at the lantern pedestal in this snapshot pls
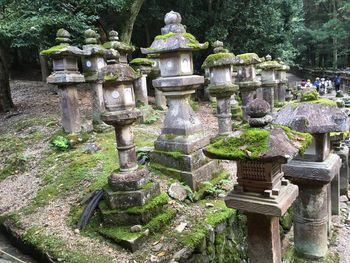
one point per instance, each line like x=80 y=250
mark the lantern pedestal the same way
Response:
x=268 y=90
x=311 y=209
x=178 y=150
x=342 y=151
x=281 y=91
x=248 y=93
x=160 y=99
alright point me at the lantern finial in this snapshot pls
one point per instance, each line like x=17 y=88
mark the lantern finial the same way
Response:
x=63 y=36
x=258 y=110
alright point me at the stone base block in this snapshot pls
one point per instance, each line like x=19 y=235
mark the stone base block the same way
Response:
x=185 y=144
x=135 y=215
x=132 y=181
x=312 y=172
x=127 y=199
x=192 y=178
x=273 y=205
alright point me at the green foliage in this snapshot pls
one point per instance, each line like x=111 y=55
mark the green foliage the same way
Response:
x=309 y=95
x=194 y=105
x=60 y=143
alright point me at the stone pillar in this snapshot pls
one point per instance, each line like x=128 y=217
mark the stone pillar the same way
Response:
x=66 y=75
x=342 y=151
x=141 y=90
x=93 y=62
x=69 y=104
x=314 y=173
x=182 y=131
x=221 y=86
x=246 y=78
x=263 y=238
x=281 y=73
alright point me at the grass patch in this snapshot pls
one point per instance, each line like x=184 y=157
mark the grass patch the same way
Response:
x=57 y=248
x=209 y=187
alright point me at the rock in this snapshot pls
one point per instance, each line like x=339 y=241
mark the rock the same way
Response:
x=183 y=254
x=146 y=233
x=181 y=227
x=222 y=195
x=154 y=259
x=209 y=205
x=136 y=228
x=90 y=148
x=157 y=247
x=177 y=191
x=76 y=231
x=347 y=221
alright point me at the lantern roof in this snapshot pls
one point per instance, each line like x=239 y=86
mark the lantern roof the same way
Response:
x=63 y=47
x=259 y=140
x=269 y=64
x=313 y=117
x=174 y=37
x=221 y=57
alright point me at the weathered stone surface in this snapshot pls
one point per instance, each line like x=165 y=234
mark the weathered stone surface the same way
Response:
x=126 y=199
x=274 y=206
x=312 y=172
x=312 y=118
x=128 y=181
x=177 y=191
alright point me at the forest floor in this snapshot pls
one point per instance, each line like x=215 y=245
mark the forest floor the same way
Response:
x=40 y=186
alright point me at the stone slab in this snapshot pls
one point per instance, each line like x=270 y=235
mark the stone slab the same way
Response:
x=275 y=205
x=64 y=78
x=193 y=179
x=126 y=199
x=181 y=83
x=128 y=181
x=313 y=172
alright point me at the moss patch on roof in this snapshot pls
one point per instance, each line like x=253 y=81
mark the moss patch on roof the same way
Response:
x=269 y=65
x=301 y=140
x=53 y=49
x=213 y=59
x=165 y=36
x=251 y=143
x=249 y=58
x=309 y=95
x=142 y=61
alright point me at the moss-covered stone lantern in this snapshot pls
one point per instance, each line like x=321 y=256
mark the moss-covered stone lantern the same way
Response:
x=268 y=81
x=66 y=76
x=261 y=192
x=313 y=173
x=123 y=48
x=128 y=187
x=178 y=150
x=281 y=76
x=93 y=62
x=246 y=78
x=221 y=85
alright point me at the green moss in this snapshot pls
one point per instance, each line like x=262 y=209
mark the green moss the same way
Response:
x=89 y=73
x=170 y=136
x=304 y=139
x=249 y=58
x=142 y=61
x=193 y=237
x=213 y=58
x=343 y=135
x=194 y=105
x=323 y=101
x=155 y=225
x=269 y=65
x=111 y=77
x=58 y=249
x=309 y=95
x=53 y=49
x=209 y=187
x=291 y=256
x=252 y=143
x=165 y=36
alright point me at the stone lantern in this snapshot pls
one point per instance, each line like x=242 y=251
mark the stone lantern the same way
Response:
x=93 y=62
x=268 y=80
x=144 y=67
x=66 y=76
x=160 y=99
x=262 y=192
x=281 y=76
x=178 y=150
x=129 y=186
x=342 y=151
x=246 y=78
x=221 y=86
x=123 y=48
x=313 y=173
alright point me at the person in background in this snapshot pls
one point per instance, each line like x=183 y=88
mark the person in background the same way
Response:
x=337 y=82
x=317 y=83
x=308 y=84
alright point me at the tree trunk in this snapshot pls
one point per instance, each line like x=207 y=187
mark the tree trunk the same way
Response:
x=335 y=40
x=128 y=25
x=6 y=102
